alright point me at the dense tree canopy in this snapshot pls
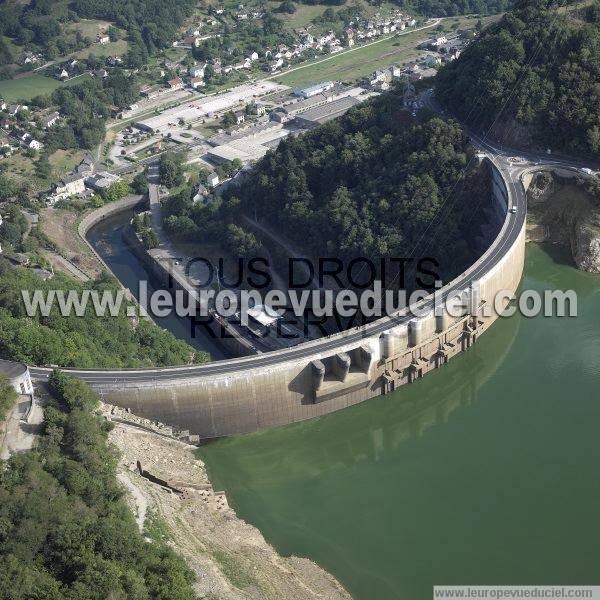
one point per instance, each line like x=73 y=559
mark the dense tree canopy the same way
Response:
x=88 y=341
x=371 y=184
x=151 y=24
x=65 y=530
x=36 y=22
x=171 y=169
x=438 y=8
x=367 y=184
x=448 y=8
x=538 y=69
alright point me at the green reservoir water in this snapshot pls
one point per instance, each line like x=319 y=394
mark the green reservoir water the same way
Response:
x=485 y=472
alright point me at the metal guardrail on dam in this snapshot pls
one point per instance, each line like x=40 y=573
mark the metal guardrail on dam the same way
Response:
x=324 y=375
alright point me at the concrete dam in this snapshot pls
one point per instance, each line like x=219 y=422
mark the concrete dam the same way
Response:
x=321 y=376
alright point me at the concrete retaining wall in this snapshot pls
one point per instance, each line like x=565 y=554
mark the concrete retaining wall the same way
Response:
x=91 y=219
x=224 y=334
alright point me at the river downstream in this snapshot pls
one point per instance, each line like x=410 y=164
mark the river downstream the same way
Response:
x=486 y=471
x=106 y=237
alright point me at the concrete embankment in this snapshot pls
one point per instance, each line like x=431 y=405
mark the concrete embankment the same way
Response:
x=91 y=219
x=163 y=269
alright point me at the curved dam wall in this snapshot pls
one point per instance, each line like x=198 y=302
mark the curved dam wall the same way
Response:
x=248 y=394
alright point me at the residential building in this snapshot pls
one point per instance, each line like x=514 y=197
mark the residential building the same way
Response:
x=70 y=185
x=115 y=112
x=190 y=41
x=101 y=181
x=197 y=82
x=103 y=39
x=197 y=70
x=240 y=117
x=51 y=119
x=200 y=194
x=175 y=84
x=13 y=109
x=432 y=60
x=276 y=65
x=212 y=180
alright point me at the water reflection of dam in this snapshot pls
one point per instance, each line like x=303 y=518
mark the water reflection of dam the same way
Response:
x=385 y=423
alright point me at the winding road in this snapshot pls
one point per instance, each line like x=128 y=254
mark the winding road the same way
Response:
x=511 y=228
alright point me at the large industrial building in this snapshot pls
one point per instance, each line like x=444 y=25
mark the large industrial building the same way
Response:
x=325 y=112
x=209 y=105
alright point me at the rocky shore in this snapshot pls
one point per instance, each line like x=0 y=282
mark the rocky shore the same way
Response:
x=567 y=213
x=172 y=497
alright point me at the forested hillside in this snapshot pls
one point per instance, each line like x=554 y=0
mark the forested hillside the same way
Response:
x=448 y=8
x=536 y=73
x=150 y=24
x=438 y=8
x=65 y=529
x=88 y=341
x=367 y=184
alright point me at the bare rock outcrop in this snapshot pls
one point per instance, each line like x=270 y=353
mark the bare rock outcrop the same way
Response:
x=169 y=491
x=585 y=245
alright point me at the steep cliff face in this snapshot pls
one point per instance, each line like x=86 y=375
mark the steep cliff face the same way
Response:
x=564 y=212
x=585 y=245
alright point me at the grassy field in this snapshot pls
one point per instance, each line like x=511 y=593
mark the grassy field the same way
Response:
x=117 y=48
x=21 y=169
x=349 y=66
x=64 y=161
x=303 y=15
x=28 y=87
x=89 y=28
